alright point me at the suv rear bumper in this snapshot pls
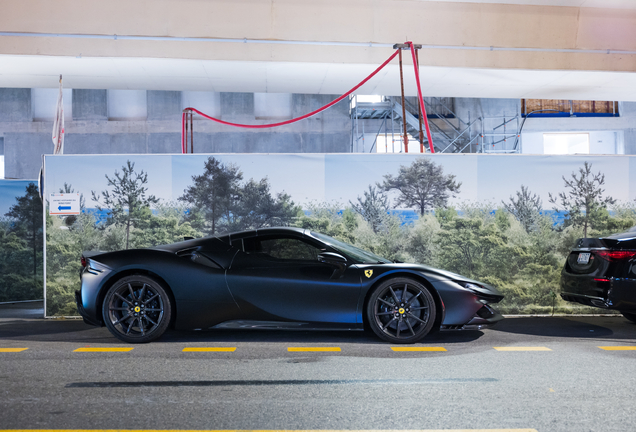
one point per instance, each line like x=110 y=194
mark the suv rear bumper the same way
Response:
x=587 y=300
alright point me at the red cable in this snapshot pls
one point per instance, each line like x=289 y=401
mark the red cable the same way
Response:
x=183 y=145
x=419 y=93
x=262 y=126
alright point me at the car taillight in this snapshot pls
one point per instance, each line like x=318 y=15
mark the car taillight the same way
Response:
x=618 y=255
x=83 y=261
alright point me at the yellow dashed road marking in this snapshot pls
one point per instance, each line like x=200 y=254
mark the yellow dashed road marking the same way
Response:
x=13 y=349
x=103 y=349
x=303 y=349
x=418 y=349
x=618 y=348
x=266 y=430
x=209 y=349
x=522 y=349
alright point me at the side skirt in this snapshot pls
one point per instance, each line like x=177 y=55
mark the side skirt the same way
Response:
x=283 y=325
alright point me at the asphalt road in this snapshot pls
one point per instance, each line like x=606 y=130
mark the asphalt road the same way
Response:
x=556 y=378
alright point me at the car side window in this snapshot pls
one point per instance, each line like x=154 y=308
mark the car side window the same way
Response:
x=281 y=248
x=238 y=243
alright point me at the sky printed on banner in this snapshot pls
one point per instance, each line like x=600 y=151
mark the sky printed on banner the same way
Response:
x=501 y=176
x=9 y=191
x=340 y=178
x=86 y=173
x=300 y=175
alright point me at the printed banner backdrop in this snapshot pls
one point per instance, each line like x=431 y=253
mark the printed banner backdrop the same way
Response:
x=508 y=220
x=20 y=241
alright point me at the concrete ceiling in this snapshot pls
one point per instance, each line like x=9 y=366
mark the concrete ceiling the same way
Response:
x=322 y=78
x=260 y=77
x=613 y=4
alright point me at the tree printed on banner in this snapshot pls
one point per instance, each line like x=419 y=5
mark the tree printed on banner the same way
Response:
x=221 y=203
x=212 y=194
x=526 y=208
x=126 y=202
x=256 y=207
x=329 y=219
x=373 y=207
x=583 y=200
x=422 y=186
x=27 y=213
x=21 y=248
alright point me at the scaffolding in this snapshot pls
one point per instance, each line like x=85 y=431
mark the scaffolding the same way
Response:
x=499 y=136
x=450 y=133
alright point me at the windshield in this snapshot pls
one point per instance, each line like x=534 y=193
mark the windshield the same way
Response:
x=360 y=255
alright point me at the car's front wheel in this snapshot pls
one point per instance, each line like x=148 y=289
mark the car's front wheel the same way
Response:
x=136 y=309
x=630 y=316
x=401 y=310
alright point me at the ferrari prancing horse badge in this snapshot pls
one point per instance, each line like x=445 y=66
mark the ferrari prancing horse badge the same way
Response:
x=368 y=273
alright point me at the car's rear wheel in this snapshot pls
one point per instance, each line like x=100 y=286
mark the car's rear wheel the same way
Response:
x=401 y=310
x=136 y=309
x=630 y=316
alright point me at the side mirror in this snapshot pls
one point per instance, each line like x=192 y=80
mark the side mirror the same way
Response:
x=332 y=258
x=336 y=260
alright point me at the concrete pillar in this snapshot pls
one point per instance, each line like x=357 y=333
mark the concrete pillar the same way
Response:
x=15 y=105
x=90 y=105
x=169 y=143
x=164 y=105
x=630 y=141
x=237 y=106
x=128 y=143
x=22 y=158
x=327 y=132
x=86 y=143
x=305 y=103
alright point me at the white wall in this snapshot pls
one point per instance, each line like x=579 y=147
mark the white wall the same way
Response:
x=206 y=102
x=601 y=142
x=127 y=105
x=273 y=105
x=44 y=101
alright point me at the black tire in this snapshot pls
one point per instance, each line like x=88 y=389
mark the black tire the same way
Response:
x=630 y=316
x=137 y=309
x=401 y=310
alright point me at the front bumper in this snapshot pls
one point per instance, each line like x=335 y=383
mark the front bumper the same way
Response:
x=485 y=317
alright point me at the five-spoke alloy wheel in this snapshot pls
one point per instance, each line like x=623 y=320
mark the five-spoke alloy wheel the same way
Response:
x=136 y=309
x=401 y=310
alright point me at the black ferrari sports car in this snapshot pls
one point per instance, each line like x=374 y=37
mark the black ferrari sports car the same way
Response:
x=275 y=278
x=601 y=272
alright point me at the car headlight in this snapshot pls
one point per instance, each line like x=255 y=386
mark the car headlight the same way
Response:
x=479 y=290
x=469 y=285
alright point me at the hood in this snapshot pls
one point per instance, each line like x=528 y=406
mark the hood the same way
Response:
x=481 y=287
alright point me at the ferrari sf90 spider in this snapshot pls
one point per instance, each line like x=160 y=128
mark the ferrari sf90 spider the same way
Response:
x=601 y=272
x=275 y=278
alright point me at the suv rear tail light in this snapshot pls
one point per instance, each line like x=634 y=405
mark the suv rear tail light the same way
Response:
x=83 y=261
x=616 y=255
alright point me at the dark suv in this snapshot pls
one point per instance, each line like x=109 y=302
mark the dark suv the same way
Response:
x=601 y=272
